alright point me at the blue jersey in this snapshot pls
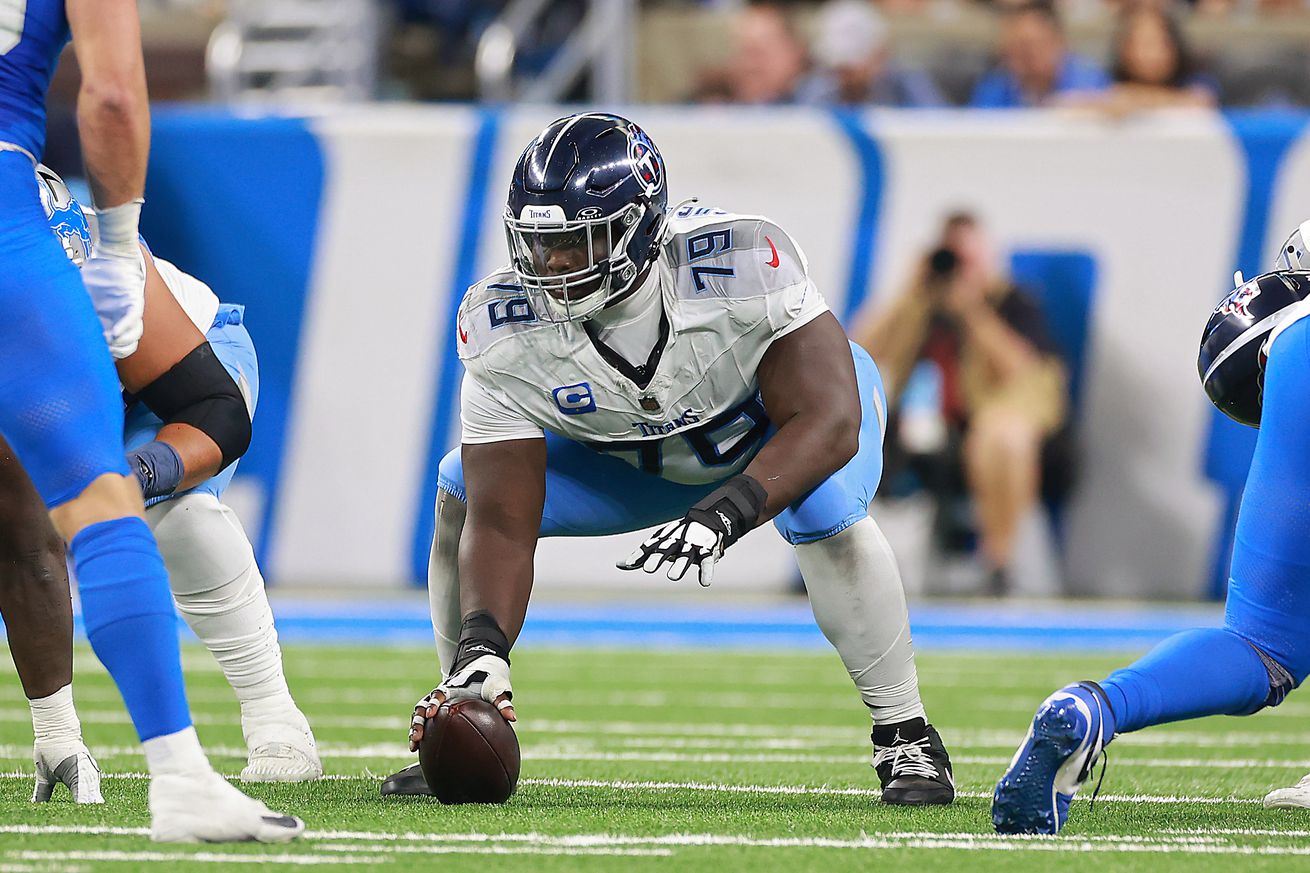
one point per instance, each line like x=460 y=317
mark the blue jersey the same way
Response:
x=32 y=34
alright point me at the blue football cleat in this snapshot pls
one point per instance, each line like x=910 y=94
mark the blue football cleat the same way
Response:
x=1068 y=734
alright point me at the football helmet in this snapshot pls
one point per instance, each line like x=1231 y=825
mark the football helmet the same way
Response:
x=1295 y=253
x=585 y=214
x=65 y=215
x=1235 y=343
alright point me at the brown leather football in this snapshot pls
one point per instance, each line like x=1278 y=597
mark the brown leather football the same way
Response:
x=469 y=753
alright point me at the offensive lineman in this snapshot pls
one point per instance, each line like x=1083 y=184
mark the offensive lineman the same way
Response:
x=189 y=421
x=59 y=402
x=635 y=368
x=1255 y=366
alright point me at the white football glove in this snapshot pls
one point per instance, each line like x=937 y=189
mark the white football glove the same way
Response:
x=115 y=277
x=681 y=544
x=486 y=677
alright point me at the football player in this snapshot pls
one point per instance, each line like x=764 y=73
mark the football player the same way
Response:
x=1255 y=366
x=60 y=408
x=192 y=393
x=633 y=367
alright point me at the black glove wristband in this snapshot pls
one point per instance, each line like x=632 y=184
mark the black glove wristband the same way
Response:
x=731 y=509
x=479 y=635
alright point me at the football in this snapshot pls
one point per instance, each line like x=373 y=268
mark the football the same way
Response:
x=469 y=753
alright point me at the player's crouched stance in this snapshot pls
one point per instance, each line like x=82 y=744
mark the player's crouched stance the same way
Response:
x=193 y=380
x=1255 y=365
x=634 y=368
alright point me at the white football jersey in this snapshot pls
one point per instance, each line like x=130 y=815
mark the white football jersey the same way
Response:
x=730 y=285
x=197 y=299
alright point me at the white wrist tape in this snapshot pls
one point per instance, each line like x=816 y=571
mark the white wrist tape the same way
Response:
x=118 y=228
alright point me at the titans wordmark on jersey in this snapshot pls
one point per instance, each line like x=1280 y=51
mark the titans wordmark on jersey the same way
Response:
x=730 y=285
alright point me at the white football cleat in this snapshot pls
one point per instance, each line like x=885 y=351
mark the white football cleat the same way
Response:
x=1296 y=797
x=69 y=764
x=203 y=808
x=282 y=749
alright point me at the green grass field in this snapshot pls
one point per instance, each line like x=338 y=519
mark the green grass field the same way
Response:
x=707 y=761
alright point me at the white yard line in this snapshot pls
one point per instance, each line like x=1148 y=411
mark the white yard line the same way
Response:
x=579 y=752
x=733 y=788
x=193 y=857
x=838 y=792
x=347 y=846
x=462 y=849
x=1238 y=832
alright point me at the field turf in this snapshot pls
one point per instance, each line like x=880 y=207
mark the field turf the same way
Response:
x=721 y=760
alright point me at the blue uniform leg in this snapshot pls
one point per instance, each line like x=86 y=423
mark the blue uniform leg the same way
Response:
x=1260 y=653
x=1263 y=649
x=60 y=411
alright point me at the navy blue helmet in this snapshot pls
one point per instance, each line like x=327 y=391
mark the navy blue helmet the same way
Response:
x=585 y=214
x=1234 y=346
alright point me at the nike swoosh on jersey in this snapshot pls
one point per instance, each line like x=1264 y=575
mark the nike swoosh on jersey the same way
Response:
x=775 y=262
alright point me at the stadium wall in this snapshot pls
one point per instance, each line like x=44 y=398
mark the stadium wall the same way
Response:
x=350 y=236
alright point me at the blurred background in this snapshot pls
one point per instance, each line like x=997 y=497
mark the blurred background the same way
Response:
x=1094 y=170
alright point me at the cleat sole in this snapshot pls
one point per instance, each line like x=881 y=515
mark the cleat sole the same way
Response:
x=1025 y=800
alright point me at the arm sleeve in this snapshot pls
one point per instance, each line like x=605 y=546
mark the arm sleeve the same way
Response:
x=486 y=418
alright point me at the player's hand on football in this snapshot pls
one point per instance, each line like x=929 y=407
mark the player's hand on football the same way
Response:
x=486 y=677
x=116 y=283
x=681 y=545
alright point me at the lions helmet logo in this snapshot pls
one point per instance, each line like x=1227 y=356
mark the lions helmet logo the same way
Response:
x=647 y=165
x=1238 y=303
x=65 y=215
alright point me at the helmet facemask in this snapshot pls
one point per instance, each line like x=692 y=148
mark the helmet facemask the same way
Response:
x=1295 y=253
x=571 y=269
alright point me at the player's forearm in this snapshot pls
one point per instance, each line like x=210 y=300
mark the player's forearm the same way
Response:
x=495 y=576
x=113 y=109
x=114 y=119
x=805 y=451
x=201 y=457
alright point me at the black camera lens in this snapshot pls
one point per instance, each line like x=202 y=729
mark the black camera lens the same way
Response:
x=943 y=262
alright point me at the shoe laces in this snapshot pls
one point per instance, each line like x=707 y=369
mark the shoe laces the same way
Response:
x=1105 y=762
x=908 y=759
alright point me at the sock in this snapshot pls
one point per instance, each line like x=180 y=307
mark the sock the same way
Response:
x=130 y=621
x=901 y=732
x=220 y=592
x=856 y=594
x=1190 y=675
x=443 y=577
x=54 y=719
x=175 y=753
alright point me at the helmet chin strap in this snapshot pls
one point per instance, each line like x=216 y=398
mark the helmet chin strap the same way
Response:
x=638 y=285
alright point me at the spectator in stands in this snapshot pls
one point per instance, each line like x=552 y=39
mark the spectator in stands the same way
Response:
x=769 y=61
x=854 y=63
x=1036 y=65
x=1153 y=66
x=1002 y=387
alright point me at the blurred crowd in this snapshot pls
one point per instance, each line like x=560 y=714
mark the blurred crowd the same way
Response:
x=849 y=60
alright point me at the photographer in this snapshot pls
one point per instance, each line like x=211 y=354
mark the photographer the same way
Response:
x=1003 y=388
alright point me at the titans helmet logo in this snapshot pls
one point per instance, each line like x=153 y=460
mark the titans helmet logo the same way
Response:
x=647 y=165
